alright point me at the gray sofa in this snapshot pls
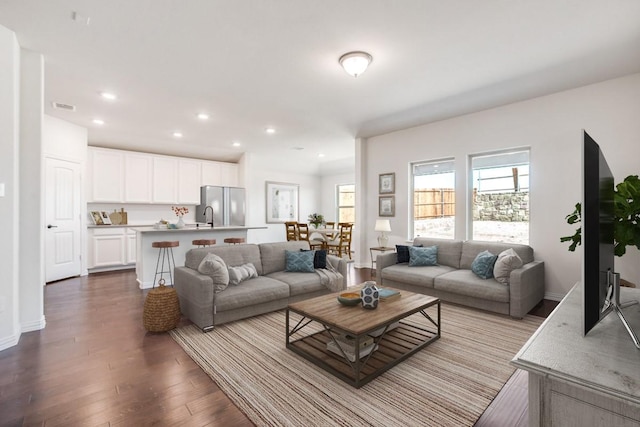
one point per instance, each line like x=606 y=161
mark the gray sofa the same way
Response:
x=452 y=279
x=272 y=290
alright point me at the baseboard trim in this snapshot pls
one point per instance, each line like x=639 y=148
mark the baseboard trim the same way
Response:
x=35 y=325
x=9 y=341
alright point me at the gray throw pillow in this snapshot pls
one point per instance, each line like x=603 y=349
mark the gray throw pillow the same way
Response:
x=241 y=273
x=301 y=262
x=214 y=266
x=507 y=261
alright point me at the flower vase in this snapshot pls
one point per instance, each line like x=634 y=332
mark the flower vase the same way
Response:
x=180 y=223
x=370 y=295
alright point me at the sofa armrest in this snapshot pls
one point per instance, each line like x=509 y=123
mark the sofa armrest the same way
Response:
x=384 y=260
x=196 y=295
x=526 y=288
x=340 y=265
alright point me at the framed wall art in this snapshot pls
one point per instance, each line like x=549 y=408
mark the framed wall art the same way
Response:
x=387 y=183
x=386 y=206
x=282 y=202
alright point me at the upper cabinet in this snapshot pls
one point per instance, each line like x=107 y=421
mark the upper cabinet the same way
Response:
x=105 y=175
x=137 y=178
x=165 y=180
x=189 y=181
x=117 y=176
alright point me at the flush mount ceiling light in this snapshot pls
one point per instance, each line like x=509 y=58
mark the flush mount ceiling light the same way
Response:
x=355 y=63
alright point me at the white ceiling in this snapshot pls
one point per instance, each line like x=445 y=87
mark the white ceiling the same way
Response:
x=257 y=63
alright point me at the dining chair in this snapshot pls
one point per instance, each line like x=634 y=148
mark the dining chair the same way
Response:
x=330 y=236
x=341 y=245
x=292 y=230
x=303 y=234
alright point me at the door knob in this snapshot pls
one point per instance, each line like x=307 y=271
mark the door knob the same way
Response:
x=52 y=226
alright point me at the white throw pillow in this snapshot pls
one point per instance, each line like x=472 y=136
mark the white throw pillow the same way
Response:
x=214 y=266
x=507 y=261
x=241 y=273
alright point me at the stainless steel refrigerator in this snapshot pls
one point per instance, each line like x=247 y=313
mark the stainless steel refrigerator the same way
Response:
x=227 y=205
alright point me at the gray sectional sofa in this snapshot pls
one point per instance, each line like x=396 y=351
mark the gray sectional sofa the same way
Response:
x=453 y=280
x=271 y=290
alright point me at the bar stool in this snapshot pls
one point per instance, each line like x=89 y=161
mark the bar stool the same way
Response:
x=202 y=243
x=166 y=252
x=234 y=240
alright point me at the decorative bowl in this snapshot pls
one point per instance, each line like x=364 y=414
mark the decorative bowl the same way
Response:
x=349 y=298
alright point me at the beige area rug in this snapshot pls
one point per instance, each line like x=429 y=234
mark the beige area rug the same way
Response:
x=449 y=383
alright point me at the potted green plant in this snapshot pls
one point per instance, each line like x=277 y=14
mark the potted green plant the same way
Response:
x=316 y=219
x=626 y=231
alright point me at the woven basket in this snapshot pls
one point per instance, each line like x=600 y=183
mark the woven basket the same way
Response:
x=161 y=309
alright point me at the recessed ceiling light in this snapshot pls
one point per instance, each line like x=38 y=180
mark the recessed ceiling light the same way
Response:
x=203 y=116
x=270 y=130
x=236 y=144
x=108 y=95
x=177 y=134
x=297 y=148
x=320 y=155
x=98 y=121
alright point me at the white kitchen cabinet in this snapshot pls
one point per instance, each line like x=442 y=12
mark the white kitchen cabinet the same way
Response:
x=165 y=179
x=189 y=178
x=211 y=173
x=105 y=172
x=111 y=248
x=228 y=174
x=137 y=178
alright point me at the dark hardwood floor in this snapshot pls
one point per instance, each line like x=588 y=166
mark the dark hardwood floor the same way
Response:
x=95 y=365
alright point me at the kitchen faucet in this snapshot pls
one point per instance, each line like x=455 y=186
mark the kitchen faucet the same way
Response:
x=205 y=215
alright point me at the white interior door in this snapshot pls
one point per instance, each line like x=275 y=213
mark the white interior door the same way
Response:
x=62 y=219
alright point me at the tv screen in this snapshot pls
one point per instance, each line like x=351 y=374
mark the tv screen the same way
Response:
x=597 y=231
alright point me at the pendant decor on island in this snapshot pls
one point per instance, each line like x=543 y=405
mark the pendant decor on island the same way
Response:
x=370 y=295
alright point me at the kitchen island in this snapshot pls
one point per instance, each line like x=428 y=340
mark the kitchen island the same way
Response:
x=147 y=256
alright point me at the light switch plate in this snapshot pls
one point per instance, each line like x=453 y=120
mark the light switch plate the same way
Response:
x=2 y=189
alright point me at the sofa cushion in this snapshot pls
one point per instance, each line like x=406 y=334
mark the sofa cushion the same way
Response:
x=241 y=273
x=482 y=265
x=233 y=255
x=419 y=256
x=471 y=249
x=465 y=282
x=272 y=254
x=300 y=262
x=418 y=276
x=299 y=283
x=258 y=290
x=507 y=262
x=213 y=266
x=448 y=250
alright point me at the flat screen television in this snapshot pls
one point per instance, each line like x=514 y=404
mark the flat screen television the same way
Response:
x=601 y=294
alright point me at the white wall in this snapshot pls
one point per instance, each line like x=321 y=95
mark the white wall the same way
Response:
x=9 y=169
x=552 y=126
x=31 y=251
x=255 y=181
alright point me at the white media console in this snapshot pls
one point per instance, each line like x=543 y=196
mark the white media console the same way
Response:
x=583 y=381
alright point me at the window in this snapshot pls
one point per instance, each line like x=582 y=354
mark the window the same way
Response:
x=434 y=199
x=347 y=203
x=500 y=198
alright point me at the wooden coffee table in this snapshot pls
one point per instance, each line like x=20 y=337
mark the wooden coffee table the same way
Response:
x=312 y=323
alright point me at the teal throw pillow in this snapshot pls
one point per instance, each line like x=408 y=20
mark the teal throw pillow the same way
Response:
x=300 y=262
x=419 y=256
x=482 y=266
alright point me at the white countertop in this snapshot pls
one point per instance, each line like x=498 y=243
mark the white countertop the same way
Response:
x=192 y=228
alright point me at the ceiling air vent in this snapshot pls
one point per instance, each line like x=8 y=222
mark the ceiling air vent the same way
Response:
x=61 y=106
